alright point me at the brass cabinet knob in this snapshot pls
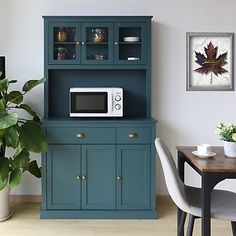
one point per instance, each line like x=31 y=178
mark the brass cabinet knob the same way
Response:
x=84 y=177
x=83 y=43
x=116 y=43
x=77 y=43
x=78 y=177
x=133 y=135
x=118 y=177
x=80 y=135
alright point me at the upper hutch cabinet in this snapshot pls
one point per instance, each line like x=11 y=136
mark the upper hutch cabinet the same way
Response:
x=97 y=43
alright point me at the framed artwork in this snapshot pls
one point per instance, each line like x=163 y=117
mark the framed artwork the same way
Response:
x=209 y=62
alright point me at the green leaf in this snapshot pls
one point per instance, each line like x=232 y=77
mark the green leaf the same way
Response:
x=3 y=84
x=18 y=149
x=32 y=137
x=8 y=120
x=15 y=97
x=15 y=178
x=12 y=137
x=34 y=169
x=30 y=111
x=0 y=73
x=2 y=107
x=32 y=83
x=12 y=81
x=22 y=160
x=4 y=168
x=3 y=184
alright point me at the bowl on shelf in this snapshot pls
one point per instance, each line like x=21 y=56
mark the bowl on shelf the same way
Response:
x=131 y=39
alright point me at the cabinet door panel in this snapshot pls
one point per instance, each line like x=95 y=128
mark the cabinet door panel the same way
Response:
x=98 y=167
x=133 y=172
x=97 y=43
x=130 y=43
x=63 y=44
x=63 y=166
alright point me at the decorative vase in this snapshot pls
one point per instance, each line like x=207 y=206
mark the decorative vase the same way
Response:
x=4 y=203
x=230 y=149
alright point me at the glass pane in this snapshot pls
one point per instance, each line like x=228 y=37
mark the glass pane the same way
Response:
x=97 y=35
x=97 y=52
x=130 y=43
x=130 y=34
x=64 y=52
x=64 y=34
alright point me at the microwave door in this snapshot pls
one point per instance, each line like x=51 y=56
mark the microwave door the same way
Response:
x=89 y=103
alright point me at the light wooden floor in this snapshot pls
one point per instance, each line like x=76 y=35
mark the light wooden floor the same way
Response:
x=25 y=222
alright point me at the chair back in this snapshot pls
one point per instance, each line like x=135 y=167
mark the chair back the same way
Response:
x=174 y=184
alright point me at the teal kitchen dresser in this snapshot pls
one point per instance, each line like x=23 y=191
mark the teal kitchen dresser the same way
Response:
x=98 y=168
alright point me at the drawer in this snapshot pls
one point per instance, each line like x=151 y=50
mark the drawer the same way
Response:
x=133 y=135
x=81 y=135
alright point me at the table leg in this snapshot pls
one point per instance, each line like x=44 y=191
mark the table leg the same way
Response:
x=206 y=204
x=180 y=159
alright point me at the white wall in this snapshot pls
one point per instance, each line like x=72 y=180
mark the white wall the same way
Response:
x=185 y=118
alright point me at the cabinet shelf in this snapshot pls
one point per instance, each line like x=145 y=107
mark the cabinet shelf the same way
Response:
x=64 y=43
x=130 y=43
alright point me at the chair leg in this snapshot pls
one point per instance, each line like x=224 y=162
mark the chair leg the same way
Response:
x=181 y=223
x=190 y=225
x=233 y=225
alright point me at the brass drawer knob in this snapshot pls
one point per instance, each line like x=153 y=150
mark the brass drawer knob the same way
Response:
x=133 y=135
x=118 y=177
x=116 y=43
x=77 y=43
x=78 y=177
x=84 y=177
x=80 y=135
x=83 y=43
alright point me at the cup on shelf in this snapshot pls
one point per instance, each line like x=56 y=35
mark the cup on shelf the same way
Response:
x=204 y=149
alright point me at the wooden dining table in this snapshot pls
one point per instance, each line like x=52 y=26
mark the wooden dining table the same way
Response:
x=212 y=171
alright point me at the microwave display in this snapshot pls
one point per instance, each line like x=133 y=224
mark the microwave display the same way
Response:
x=89 y=102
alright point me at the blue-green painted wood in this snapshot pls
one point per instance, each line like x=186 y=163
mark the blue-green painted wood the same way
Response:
x=132 y=81
x=88 y=135
x=98 y=166
x=98 y=214
x=97 y=46
x=133 y=135
x=133 y=166
x=51 y=41
x=122 y=47
x=63 y=188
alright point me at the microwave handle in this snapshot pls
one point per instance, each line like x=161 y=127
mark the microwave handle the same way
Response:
x=110 y=102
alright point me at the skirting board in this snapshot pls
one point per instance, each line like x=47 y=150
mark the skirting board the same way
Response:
x=37 y=199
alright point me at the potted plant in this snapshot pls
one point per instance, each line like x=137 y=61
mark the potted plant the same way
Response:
x=228 y=134
x=20 y=134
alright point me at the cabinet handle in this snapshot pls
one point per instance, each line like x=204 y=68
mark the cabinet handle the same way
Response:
x=133 y=135
x=83 y=43
x=80 y=135
x=84 y=177
x=77 y=43
x=116 y=43
x=118 y=177
x=78 y=177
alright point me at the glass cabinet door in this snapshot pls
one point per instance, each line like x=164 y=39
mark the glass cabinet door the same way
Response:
x=130 y=43
x=96 y=43
x=64 y=43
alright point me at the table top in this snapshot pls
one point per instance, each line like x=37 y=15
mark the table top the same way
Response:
x=217 y=163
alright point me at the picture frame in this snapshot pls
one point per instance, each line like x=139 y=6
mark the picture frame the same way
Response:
x=209 y=61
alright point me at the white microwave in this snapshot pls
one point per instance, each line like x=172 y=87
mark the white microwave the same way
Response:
x=96 y=102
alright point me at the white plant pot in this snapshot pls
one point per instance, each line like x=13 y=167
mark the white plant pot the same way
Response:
x=230 y=149
x=4 y=203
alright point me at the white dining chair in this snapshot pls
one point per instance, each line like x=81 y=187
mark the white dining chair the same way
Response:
x=188 y=199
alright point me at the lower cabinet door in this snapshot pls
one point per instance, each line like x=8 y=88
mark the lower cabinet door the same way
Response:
x=63 y=177
x=133 y=177
x=98 y=176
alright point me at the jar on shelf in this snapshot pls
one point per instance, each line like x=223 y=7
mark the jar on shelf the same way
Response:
x=98 y=35
x=61 y=53
x=61 y=34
